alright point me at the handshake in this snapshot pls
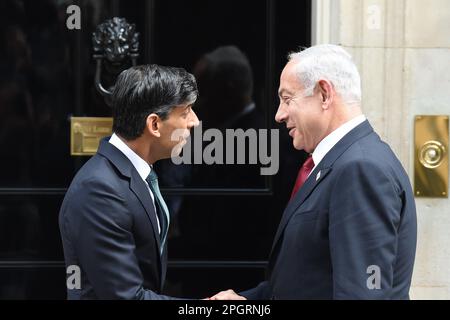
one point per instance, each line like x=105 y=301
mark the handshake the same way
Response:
x=226 y=295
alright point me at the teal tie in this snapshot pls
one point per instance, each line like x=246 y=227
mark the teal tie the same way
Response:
x=161 y=208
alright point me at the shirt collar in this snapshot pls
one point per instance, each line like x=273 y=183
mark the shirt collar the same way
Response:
x=330 y=141
x=142 y=167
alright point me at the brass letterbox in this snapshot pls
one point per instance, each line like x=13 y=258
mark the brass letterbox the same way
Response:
x=86 y=133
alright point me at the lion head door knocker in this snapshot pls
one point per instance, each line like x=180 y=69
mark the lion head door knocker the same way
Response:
x=116 y=46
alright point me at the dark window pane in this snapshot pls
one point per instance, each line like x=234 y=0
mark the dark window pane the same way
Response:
x=221 y=227
x=29 y=228
x=201 y=282
x=226 y=51
x=32 y=283
x=35 y=93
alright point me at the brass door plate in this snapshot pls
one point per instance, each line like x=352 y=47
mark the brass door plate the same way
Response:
x=431 y=137
x=86 y=133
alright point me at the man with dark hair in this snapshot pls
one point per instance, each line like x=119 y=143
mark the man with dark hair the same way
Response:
x=113 y=219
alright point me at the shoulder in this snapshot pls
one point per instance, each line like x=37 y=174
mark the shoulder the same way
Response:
x=97 y=184
x=98 y=173
x=370 y=161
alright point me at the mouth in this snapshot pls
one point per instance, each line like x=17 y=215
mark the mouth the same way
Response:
x=183 y=140
x=291 y=131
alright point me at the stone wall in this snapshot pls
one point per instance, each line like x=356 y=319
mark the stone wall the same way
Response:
x=402 y=48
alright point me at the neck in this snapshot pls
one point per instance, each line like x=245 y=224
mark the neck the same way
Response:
x=143 y=148
x=343 y=114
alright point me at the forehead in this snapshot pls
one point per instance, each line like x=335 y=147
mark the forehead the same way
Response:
x=289 y=82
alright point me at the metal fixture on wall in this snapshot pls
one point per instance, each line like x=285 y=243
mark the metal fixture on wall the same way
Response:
x=431 y=156
x=117 y=42
x=116 y=45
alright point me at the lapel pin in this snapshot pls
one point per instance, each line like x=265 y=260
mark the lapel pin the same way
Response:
x=318 y=176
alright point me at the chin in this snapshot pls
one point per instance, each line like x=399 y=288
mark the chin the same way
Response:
x=176 y=151
x=297 y=145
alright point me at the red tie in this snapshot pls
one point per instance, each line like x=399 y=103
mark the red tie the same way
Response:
x=303 y=174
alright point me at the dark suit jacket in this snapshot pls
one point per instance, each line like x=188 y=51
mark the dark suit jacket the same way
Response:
x=355 y=211
x=109 y=229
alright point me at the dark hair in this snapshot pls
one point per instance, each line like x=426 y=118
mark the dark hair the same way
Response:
x=142 y=90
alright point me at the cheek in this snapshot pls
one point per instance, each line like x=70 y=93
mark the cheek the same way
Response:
x=180 y=124
x=298 y=119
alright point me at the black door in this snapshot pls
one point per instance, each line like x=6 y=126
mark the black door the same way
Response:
x=223 y=217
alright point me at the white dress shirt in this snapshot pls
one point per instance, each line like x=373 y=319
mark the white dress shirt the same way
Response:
x=142 y=167
x=330 y=141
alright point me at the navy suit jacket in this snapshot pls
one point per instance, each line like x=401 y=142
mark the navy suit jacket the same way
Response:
x=350 y=231
x=109 y=229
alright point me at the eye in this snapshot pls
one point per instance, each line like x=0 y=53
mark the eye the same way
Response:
x=286 y=100
x=186 y=112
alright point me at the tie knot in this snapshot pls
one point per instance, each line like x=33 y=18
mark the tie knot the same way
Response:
x=309 y=163
x=152 y=176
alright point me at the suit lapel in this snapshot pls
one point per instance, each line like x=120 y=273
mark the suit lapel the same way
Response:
x=323 y=169
x=163 y=270
x=302 y=194
x=137 y=186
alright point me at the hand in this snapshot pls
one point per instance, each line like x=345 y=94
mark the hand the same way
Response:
x=227 y=295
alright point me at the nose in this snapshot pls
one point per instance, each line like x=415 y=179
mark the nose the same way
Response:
x=281 y=114
x=194 y=122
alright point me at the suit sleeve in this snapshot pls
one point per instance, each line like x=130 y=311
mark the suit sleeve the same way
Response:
x=260 y=292
x=363 y=222
x=105 y=244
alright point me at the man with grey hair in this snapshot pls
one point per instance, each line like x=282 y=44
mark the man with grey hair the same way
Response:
x=349 y=230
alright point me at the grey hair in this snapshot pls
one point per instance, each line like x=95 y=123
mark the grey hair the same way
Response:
x=332 y=63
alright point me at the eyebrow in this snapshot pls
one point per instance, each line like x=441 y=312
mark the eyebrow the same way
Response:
x=187 y=107
x=283 y=91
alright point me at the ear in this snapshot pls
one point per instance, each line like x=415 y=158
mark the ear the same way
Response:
x=154 y=125
x=326 y=92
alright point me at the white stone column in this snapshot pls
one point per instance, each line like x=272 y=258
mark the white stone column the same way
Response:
x=402 y=49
